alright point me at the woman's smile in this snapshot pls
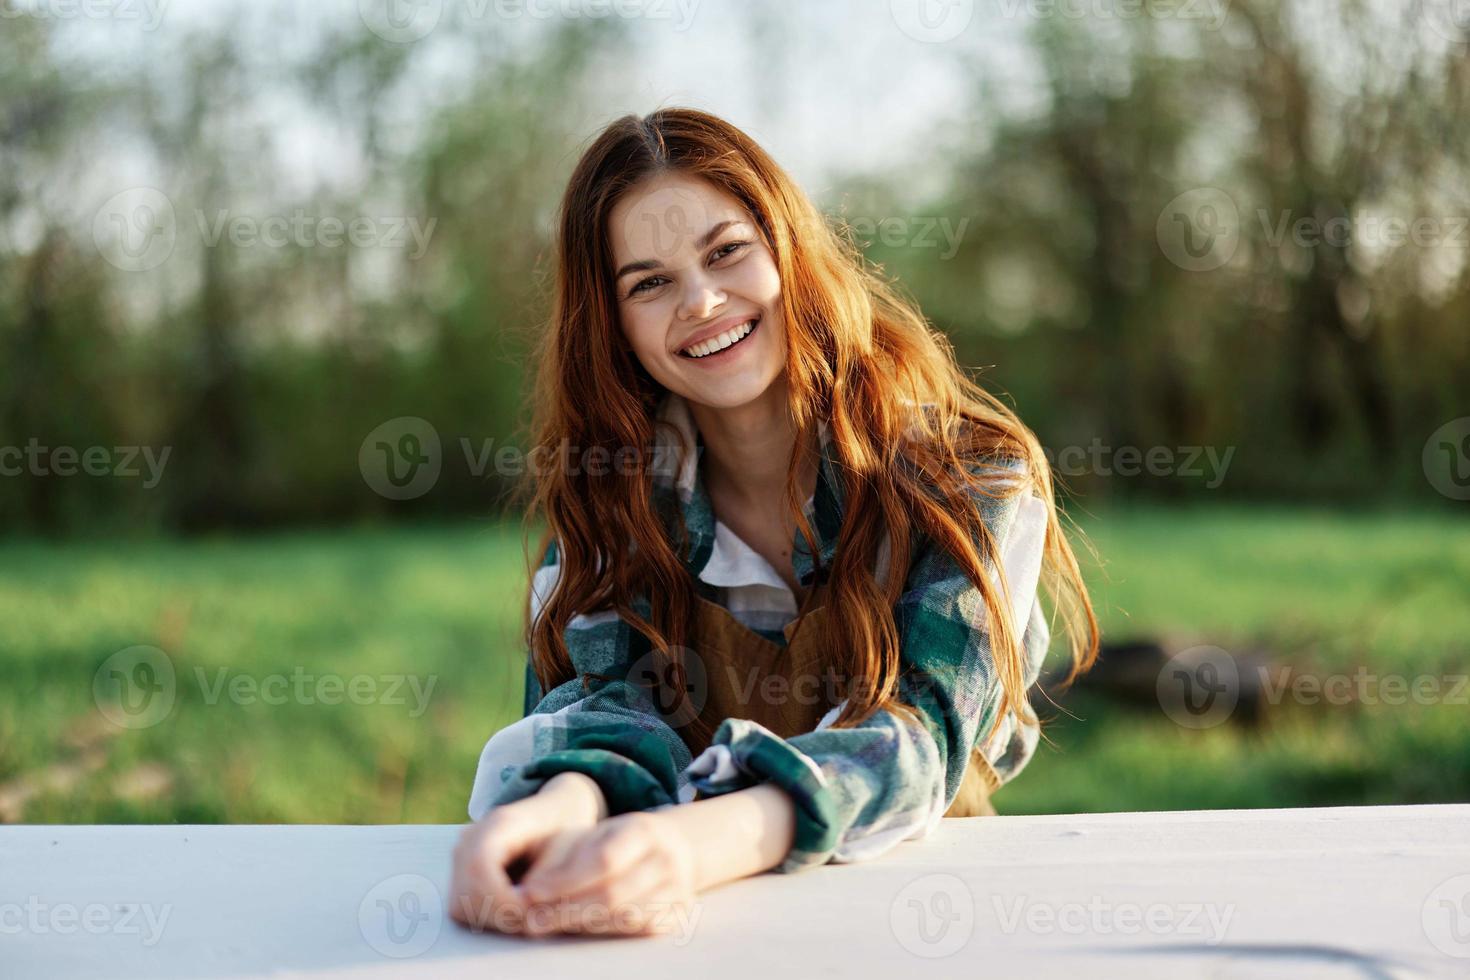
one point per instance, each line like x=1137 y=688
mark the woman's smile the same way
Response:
x=720 y=346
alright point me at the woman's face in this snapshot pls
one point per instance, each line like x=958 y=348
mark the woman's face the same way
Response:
x=691 y=273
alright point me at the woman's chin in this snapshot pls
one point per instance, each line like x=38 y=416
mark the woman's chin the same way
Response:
x=727 y=393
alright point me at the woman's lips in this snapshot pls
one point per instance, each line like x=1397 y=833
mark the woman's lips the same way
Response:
x=722 y=354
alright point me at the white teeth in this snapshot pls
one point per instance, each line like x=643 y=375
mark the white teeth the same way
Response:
x=721 y=341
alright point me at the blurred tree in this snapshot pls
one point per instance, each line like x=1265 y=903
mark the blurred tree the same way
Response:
x=1065 y=282
x=262 y=369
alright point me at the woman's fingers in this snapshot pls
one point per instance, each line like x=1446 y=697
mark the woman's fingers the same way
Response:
x=598 y=855
x=477 y=878
x=482 y=893
x=656 y=906
x=626 y=886
x=550 y=856
x=614 y=878
x=635 y=909
x=663 y=909
x=618 y=881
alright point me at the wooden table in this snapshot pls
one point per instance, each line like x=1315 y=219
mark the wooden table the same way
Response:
x=1336 y=892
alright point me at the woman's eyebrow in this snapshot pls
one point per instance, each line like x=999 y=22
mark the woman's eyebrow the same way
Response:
x=704 y=240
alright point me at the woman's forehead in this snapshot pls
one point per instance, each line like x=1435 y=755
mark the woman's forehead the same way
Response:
x=663 y=216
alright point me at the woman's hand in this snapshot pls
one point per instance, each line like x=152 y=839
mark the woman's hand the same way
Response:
x=510 y=838
x=633 y=874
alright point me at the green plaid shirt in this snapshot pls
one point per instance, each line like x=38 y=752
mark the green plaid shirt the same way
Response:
x=858 y=791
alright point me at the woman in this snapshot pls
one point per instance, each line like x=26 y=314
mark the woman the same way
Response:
x=788 y=610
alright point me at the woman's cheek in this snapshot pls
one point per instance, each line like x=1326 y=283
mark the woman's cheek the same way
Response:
x=640 y=336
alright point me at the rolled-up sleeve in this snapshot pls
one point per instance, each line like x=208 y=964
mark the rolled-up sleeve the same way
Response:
x=610 y=730
x=859 y=791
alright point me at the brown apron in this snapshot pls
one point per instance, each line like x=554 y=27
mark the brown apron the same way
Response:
x=786 y=690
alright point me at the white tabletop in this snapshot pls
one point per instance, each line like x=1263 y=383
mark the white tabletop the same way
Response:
x=1336 y=892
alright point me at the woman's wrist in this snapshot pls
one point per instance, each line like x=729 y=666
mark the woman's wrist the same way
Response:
x=737 y=834
x=576 y=794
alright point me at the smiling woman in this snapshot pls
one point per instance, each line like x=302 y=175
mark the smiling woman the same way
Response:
x=809 y=637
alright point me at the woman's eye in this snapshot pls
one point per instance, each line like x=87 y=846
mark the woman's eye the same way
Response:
x=645 y=284
x=652 y=282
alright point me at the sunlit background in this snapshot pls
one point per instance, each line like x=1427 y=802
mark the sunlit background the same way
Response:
x=269 y=274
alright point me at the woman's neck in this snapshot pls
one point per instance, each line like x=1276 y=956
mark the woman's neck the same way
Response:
x=747 y=451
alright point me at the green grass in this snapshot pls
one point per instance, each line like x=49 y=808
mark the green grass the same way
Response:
x=435 y=603
x=1324 y=591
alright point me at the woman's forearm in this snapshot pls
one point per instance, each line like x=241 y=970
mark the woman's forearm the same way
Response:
x=738 y=834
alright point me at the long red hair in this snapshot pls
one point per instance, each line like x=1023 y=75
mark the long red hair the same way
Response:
x=859 y=356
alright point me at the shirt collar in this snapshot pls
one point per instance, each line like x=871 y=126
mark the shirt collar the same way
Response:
x=678 y=482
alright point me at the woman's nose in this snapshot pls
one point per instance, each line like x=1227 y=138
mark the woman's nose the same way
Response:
x=700 y=298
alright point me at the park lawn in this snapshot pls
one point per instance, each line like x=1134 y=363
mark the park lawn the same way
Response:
x=442 y=605
x=1325 y=593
